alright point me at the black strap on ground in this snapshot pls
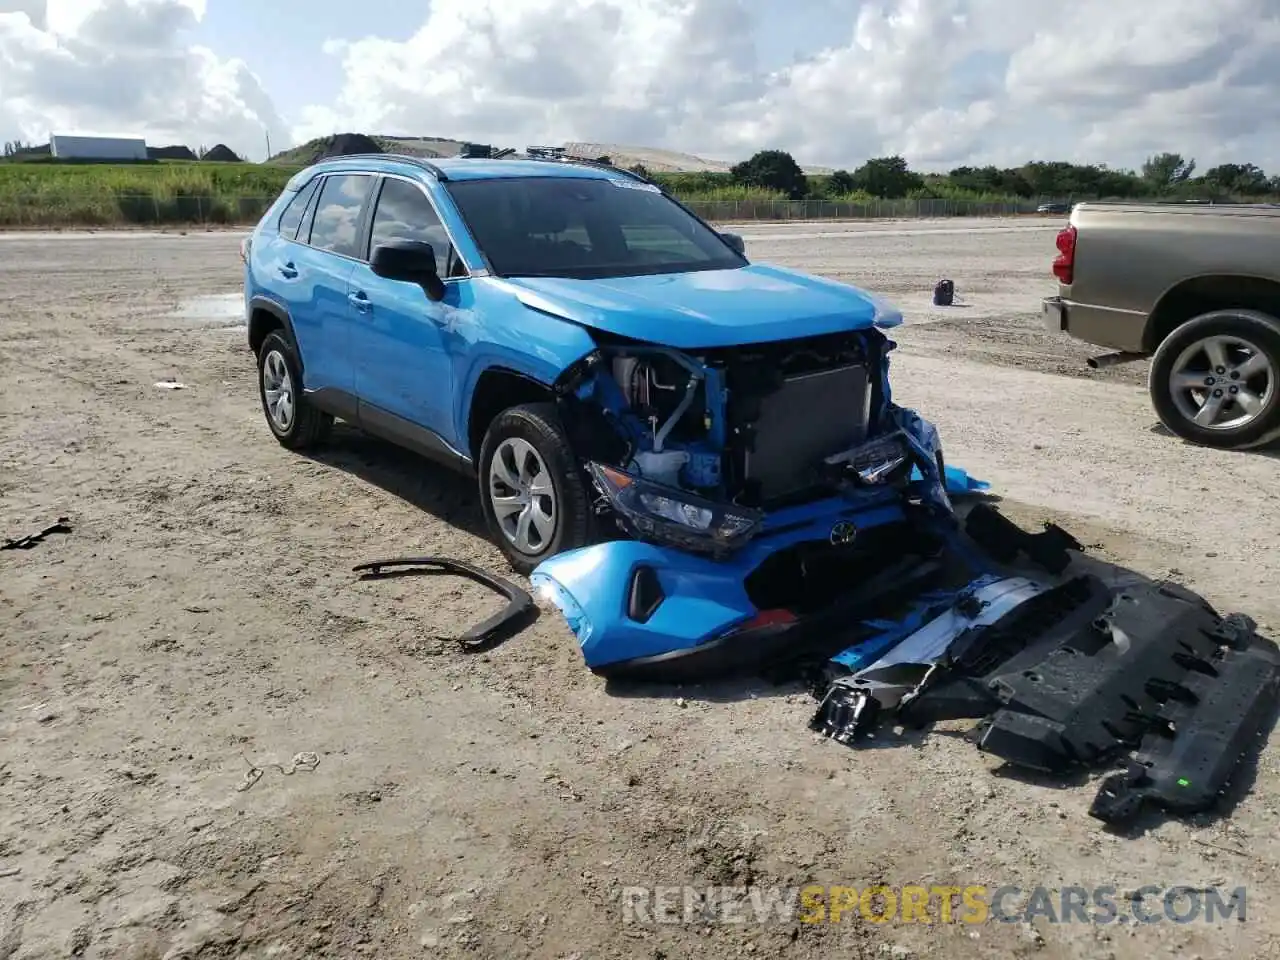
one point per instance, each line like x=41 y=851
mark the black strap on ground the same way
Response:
x=31 y=539
x=519 y=611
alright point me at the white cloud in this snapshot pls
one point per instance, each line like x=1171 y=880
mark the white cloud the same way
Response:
x=125 y=67
x=942 y=81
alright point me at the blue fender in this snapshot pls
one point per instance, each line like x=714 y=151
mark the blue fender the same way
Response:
x=501 y=332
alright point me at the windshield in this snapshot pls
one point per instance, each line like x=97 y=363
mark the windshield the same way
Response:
x=585 y=228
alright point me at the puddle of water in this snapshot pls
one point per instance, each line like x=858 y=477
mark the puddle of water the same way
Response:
x=220 y=308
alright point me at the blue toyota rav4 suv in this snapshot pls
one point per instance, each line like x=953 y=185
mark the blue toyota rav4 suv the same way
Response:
x=580 y=342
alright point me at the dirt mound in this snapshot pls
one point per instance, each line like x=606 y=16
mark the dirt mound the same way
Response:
x=346 y=144
x=321 y=148
x=175 y=152
x=221 y=154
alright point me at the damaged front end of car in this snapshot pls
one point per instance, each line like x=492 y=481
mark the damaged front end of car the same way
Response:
x=780 y=516
x=753 y=486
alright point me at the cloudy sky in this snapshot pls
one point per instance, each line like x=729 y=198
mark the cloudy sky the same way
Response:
x=942 y=82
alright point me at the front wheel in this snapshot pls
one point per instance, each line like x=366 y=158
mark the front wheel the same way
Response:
x=532 y=491
x=1214 y=379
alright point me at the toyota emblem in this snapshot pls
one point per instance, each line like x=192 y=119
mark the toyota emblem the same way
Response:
x=843 y=533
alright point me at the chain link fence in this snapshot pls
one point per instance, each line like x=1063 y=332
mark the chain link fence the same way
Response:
x=730 y=210
x=107 y=209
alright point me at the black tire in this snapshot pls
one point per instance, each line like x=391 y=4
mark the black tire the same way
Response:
x=538 y=424
x=308 y=426
x=1260 y=330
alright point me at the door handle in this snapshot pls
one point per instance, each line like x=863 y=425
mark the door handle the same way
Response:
x=360 y=301
x=289 y=271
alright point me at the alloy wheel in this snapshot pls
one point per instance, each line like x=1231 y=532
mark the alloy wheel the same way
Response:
x=523 y=496
x=1222 y=382
x=277 y=391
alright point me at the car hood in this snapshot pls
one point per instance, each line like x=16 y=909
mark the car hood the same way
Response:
x=710 y=308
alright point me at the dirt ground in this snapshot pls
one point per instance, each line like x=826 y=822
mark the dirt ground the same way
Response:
x=202 y=618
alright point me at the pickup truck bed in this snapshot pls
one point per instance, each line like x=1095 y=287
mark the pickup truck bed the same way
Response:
x=1194 y=286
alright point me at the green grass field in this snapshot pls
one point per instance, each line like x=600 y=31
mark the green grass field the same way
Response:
x=92 y=194
x=52 y=194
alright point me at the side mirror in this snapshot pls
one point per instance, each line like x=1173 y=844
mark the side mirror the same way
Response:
x=410 y=261
x=739 y=245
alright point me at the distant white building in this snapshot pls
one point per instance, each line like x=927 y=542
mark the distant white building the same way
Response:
x=97 y=148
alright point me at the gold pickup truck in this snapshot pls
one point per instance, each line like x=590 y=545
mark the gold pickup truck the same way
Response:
x=1196 y=287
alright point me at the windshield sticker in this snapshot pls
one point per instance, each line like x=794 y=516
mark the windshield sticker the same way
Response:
x=637 y=185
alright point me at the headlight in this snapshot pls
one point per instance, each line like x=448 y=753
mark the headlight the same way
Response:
x=552 y=592
x=878 y=462
x=654 y=511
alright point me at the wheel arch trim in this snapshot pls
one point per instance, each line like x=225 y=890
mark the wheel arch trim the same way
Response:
x=259 y=304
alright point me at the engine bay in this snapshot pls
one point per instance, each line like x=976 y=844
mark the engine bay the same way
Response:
x=753 y=426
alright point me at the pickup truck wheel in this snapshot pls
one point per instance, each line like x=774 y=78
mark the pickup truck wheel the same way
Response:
x=1214 y=379
x=533 y=494
x=295 y=423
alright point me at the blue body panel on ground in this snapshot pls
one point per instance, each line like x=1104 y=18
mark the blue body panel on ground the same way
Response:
x=704 y=597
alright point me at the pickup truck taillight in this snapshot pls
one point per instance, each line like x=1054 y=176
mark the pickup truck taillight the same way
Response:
x=1064 y=265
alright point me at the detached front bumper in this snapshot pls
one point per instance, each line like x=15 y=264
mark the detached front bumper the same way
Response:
x=647 y=611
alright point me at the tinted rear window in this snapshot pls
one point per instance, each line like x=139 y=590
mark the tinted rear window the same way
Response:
x=292 y=216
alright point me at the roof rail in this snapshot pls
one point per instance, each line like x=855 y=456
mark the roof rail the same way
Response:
x=596 y=164
x=419 y=162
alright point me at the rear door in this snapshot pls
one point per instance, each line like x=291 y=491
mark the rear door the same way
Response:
x=272 y=267
x=323 y=257
x=401 y=345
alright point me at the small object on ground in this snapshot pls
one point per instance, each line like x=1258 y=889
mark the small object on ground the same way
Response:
x=10 y=871
x=31 y=539
x=171 y=385
x=306 y=760
x=944 y=293
x=484 y=635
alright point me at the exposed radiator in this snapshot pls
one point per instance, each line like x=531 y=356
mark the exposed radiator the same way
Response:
x=810 y=418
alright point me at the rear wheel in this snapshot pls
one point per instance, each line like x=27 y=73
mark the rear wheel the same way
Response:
x=295 y=423
x=1214 y=379
x=532 y=491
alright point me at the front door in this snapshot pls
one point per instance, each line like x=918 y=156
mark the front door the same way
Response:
x=400 y=338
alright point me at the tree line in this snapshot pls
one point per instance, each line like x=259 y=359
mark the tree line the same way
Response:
x=1166 y=176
